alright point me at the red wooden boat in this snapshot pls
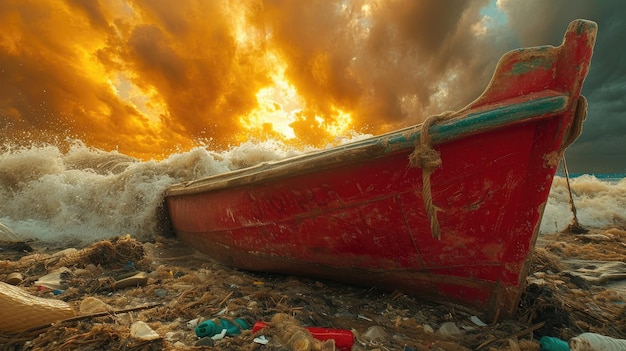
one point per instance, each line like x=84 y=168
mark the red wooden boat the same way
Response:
x=448 y=210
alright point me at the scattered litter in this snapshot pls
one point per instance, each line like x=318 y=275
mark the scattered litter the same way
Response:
x=261 y=340
x=477 y=321
x=142 y=331
x=90 y=305
x=139 y=279
x=549 y=343
x=217 y=326
x=342 y=338
x=193 y=323
x=182 y=285
x=55 y=280
x=14 y=278
x=375 y=333
x=596 y=342
x=449 y=329
x=21 y=310
x=219 y=335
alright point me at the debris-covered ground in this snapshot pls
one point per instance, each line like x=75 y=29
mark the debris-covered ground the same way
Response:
x=577 y=284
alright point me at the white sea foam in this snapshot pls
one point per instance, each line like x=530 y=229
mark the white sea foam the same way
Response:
x=599 y=203
x=83 y=194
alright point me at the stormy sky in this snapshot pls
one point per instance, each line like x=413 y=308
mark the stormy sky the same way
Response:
x=151 y=77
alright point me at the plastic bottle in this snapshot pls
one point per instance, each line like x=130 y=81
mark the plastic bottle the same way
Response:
x=549 y=343
x=596 y=342
x=213 y=327
x=343 y=338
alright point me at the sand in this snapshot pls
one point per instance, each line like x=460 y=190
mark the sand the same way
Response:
x=577 y=284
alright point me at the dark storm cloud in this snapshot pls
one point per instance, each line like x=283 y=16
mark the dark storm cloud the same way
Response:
x=602 y=146
x=383 y=61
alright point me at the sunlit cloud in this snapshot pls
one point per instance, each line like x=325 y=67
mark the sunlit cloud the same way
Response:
x=150 y=77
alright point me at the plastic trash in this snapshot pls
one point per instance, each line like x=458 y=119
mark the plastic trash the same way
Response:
x=142 y=331
x=477 y=321
x=449 y=329
x=54 y=280
x=261 y=340
x=14 y=278
x=138 y=279
x=214 y=327
x=375 y=333
x=549 y=343
x=343 y=338
x=596 y=342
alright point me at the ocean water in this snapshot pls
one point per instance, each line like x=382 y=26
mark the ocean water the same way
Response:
x=80 y=195
x=600 y=201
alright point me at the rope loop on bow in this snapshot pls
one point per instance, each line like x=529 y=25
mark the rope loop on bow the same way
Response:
x=428 y=160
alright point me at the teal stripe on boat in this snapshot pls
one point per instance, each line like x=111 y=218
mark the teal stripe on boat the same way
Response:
x=481 y=121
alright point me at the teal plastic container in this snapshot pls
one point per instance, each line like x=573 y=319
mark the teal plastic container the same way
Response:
x=213 y=327
x=549 y=343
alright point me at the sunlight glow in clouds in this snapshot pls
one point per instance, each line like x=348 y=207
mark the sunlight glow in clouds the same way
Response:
x=151 y=77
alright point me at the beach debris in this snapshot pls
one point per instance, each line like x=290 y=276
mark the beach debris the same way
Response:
x=599 y=272
x=342 y=338
x=596 y=342
x=217 y=326
x=55 y=280
x=288 y=332
x=261 y=340
x=20 y=310
x=375 y=333
x=118 y=251
x=477 y=321
x=197 y=287
x=449 y=329
x=192 y=324
x=138 y=279
x=90 y=305
x=14 y=278
x=142 y=331
x=549 y=343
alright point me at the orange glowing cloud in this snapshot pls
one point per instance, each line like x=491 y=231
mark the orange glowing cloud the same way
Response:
x=149 y=77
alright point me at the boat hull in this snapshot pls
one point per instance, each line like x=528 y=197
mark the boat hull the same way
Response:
x=357 y=214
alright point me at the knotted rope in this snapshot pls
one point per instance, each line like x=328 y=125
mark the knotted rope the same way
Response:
x=428 y=159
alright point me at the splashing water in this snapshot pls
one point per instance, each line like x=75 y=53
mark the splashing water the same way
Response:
x=87 y=194
x=599 y=202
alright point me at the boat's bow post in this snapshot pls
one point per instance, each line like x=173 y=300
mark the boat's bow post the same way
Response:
x=576 y=127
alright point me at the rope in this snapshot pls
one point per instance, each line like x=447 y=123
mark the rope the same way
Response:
x=428 y=159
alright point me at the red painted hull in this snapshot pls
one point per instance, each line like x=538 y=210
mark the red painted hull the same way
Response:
x=356 y=214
